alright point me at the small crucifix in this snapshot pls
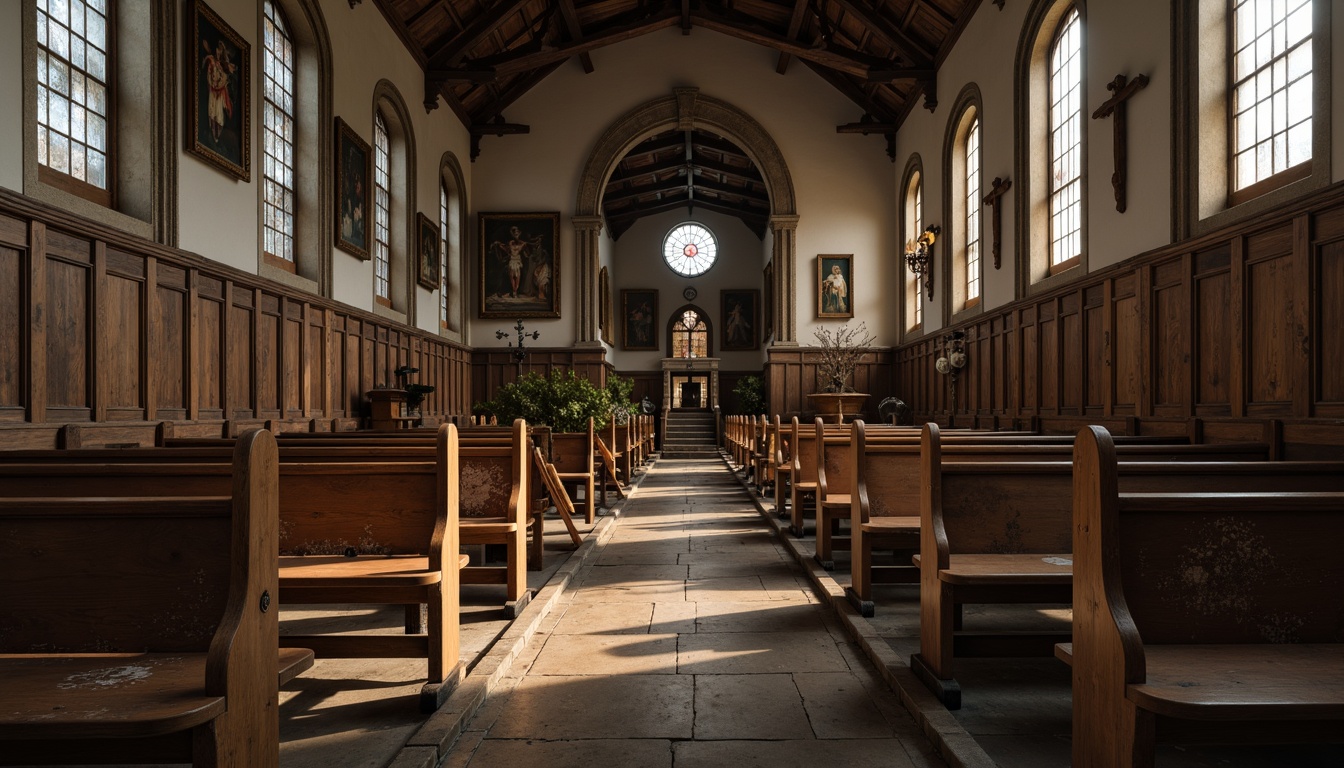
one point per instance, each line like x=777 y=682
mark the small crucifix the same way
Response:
x=1123 y=90
x=995 y=198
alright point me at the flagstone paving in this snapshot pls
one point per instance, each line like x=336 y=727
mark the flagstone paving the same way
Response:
x=692 y=639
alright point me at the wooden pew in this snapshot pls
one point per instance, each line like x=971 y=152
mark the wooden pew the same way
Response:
x=352 y=531
x=783 y=464
x=996 y=531
x=495 y=483
x=143 y=628
x=1210 y=617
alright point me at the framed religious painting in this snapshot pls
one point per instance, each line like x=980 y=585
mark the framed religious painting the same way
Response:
x=353 y=188
x=835 y=286
x=768 y=310
x=520 y=265
x=218 y=99
x=604 y=306
x=639 y=313
x=427 y=252
x=740 y=310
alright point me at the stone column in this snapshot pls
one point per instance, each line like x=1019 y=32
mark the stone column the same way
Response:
x=587 y=230
x=783 y=228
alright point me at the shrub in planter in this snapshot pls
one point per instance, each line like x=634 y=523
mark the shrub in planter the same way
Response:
x=562 y=401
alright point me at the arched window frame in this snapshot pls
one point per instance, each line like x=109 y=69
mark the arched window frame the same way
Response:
x=711 y=238
x=912 y=224
x=279 y=118
x=452 y=225
x=314 y=225
x=958 y=213
x=401 y=301
x=143 y=139
x=675 y=319
x=1064 y=143
x=1203 y=161
x=1033 y=155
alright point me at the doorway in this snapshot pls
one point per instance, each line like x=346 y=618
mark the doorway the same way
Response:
x=690 y=391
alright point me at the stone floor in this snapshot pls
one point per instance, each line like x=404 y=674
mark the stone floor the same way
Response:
x=691 y=639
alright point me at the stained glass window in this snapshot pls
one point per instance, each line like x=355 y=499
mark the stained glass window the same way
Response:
x=444 y=247
x=690 y=335
x=689 y=249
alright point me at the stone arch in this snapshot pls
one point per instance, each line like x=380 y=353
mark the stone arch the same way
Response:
x=675 y=318
x=686 y=109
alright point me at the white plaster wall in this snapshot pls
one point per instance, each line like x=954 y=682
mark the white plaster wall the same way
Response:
x=637 y=262
x=843 y=192
x=11 y=95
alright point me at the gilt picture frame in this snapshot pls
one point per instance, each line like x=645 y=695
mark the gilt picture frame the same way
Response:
x=428 y=259
x=353 y=192
x=218 y=80
x=835 y=285
x=519 y=265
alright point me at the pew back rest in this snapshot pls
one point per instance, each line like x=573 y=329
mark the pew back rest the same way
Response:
x=144 y=573
x=494 y=479
x=573 y=451
x=804 y=443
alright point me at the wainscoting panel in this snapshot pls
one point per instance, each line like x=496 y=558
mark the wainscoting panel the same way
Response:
x=115 y=334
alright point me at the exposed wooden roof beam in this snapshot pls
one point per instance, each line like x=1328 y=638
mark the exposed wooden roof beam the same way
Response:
x=575 y=32
x=795 y=26
x=672 y=205
x=512 y=62
x=843 y=84
x=850 y=62
x=456 y=49
x=674 y=184
x=685 y=17
x=515 y=91
x=655 y=145
x=713 y=166
x=913 y=51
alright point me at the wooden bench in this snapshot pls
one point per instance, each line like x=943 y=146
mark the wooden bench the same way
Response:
x=495 y=494
x=352 y=531
x=783 y=464
x=1209 y=617
x=998 y=530
x=144 y=628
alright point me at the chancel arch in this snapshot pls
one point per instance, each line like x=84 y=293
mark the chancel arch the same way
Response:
x=686 y=110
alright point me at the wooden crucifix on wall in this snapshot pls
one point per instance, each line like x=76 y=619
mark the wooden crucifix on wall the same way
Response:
x=1124 y=90
x=995 y=199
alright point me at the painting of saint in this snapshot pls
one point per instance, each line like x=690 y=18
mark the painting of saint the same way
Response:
x=741 y=319
x=640 y=309
x=835 y=297
x=519 y=264
x=427 y=240
x=218 y=120
x=353 y=157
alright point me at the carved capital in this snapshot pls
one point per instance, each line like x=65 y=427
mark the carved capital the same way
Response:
x=784 y=223
x=686 y=107
x=591 y=224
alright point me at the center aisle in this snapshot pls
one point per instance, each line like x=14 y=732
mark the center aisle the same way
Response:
x=691 y=640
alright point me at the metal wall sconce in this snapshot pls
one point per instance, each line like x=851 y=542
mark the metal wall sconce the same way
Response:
x=919 y=256
x=952 y=360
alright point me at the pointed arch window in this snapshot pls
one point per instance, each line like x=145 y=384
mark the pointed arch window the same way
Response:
x=1066 y=152
x=444 y=247
x=690 y=334
x=382 y=212
x=278 y=124
x=74 y=97
x=914 y=225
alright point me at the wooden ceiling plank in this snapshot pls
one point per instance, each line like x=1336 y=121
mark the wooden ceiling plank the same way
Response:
x=571 y=17
x=913 y=51
x=755 y=223
x=515 y=91
x=855 y=95
x=480 y=28
x=848 y=61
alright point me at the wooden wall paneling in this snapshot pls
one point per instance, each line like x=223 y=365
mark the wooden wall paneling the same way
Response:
x=1170 y=339
x=150 y=311
x=240 y=386
x=120 y=335
x=1095 y=359
x=98 y=382
x=268 y=352
x=1073 y=351
x=1329 y=357
x=13 y=331
x=212 y=335
x=1031 y=368
x=1144 y=339
x=36 y=351
x=1270 y=322
x=168 y=349
x=292 y=361
x=1299 y=312
x=1129 y=370
x=1212 y=332
x=67 y=305
x=1236 y=352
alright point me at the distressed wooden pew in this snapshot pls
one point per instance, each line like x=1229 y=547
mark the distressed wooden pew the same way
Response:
x=783 y=464
x=998 y=531
x=495 y=493
x=352 y=531
x=1201 y=617
x=573 y=454
x=144 y=628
